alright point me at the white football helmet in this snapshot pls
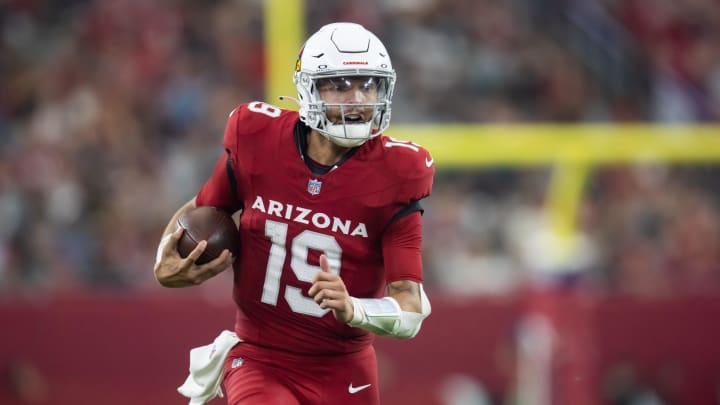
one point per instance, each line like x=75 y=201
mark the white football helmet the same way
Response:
x=344 y=52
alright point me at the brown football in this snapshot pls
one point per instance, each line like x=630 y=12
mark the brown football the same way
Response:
x=212 y=225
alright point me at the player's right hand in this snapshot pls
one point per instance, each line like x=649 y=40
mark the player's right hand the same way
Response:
x=329 y=292
x=171 y=270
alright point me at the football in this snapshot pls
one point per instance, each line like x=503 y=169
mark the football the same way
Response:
x=212 y=225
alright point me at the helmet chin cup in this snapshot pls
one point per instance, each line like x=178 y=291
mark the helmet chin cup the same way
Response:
x=349 y=135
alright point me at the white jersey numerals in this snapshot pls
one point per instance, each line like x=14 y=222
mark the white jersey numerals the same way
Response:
x=265 y=109
x=277 y=232
x=299 y=247
x=394 y=143
x=403 y=144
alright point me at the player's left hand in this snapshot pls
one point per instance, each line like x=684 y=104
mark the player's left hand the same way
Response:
x=329 y=291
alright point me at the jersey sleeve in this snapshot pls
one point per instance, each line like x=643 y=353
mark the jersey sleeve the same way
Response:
x=419 y=171
x=244 y=125
x=412 y=170
x=221 y=189
x=402 y=242
x=224 y=189
x=217 y=190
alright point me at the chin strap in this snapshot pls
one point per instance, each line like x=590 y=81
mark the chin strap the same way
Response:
x=384 y=317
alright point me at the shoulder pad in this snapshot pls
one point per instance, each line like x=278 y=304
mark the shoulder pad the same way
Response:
x=411 y=165
x=251 y=118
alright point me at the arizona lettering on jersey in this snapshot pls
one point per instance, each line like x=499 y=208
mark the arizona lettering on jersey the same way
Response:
x=306 y=216
x=291 y=216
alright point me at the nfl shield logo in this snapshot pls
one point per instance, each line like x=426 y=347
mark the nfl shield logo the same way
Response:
x=314 y=186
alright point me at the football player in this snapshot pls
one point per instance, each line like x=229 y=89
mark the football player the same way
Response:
x=330 y=229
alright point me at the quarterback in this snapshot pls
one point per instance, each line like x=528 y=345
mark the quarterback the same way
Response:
x=331 y=233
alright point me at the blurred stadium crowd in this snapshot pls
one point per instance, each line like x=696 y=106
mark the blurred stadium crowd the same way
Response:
x=112 y=112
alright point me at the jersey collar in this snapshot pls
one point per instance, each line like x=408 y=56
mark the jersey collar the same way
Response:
x=300 y=133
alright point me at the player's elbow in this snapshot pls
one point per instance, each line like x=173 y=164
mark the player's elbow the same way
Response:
x=411 y=320
x=409 y=325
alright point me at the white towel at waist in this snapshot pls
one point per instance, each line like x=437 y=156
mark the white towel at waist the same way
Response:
x=206 y=369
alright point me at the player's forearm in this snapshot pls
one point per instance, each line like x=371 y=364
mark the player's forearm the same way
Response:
x=407 y=295
x=387 y=317
x=170 y=227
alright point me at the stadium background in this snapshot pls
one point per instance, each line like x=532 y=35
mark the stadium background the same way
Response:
x=573 y=237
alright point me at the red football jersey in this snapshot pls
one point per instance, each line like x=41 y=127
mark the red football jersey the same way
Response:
x=291 y=216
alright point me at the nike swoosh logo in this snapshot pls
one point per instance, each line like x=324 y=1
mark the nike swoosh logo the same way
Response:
x=429 y=163
x=353 y=390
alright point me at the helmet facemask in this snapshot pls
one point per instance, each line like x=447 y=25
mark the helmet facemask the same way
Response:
x=349 y=124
